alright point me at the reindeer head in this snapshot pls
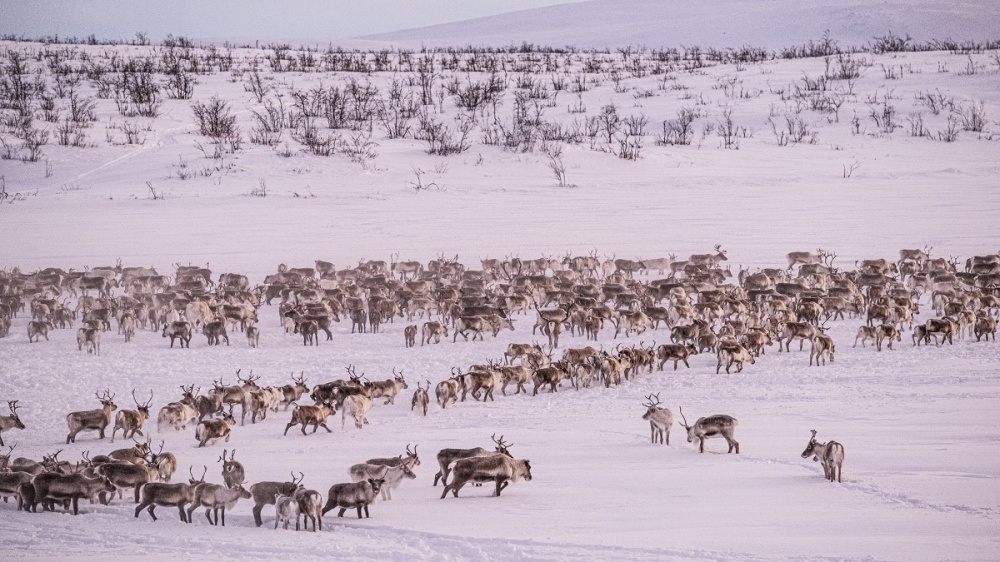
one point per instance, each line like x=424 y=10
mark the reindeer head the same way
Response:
x=143 y=408
x=12 y=405
x=412 y=455
x=195 y=481
x=107 y=400
x=651 y=406
x=5 y=458
x=399 y=377
x=502 y=447
x=811 y=447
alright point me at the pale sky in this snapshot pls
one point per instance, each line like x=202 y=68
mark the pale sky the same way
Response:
x=254 y=19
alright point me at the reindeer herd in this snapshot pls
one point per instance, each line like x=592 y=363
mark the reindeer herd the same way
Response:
x=703 y=308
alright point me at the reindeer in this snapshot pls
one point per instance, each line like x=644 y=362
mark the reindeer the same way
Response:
x=264 y=493
x=709 y=260
x=411 y=460
x=447 y=390
x=215 y=498
x=293 y=392
x=238 y=394
x=55 y=487
x=232 y=470
x=253 y=336
x=551 y=376
x=178 y=330
x=91 y=419
x=421 y=398
x=391 y=476
x=805 y=258
x=13 y=421
x=802 y=330
x=165 y=463
x=675 y=352
x=215 y=331
x=519 y=375
x=310 y=503
x=359 y=320
x=433 y=330
x=132 y=420
x=733 y=354
x=286 y=508
x=660 y=420
x=446 y=457
x=309 y=329
x=410 y=335
x=215 y=429
x=178 y=415
x=161 y=494
x=38 y=329
x=389 y=388
x=497 y=468
x=127 y=475
x=822 y=347
x=91 y=338
x=713 y=426
x=830 y=454
x=315 y=415
x=356 y=406
x=357 y=495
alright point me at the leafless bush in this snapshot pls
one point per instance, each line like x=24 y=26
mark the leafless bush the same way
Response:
x=256 y=85
x=217 y=121
x=82 y=110
x=71 y=133
x=936 y=101
x=917 y=129
x=885 y=116
x=260 y=190
x=180 y=84
x=316 y=142
x=891 y=43
x=950 y=133
x=268 y=123
x=132 y=131
x=630 y=139
x=973 y=117
x=137 y=94
x=728 y=131
x=442 y=139
x=554 y=152
x=361 y=148
x=796 y=130
x=34 y=139
x=418 y=185
x=679 y=131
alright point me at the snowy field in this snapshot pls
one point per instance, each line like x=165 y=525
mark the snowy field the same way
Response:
x=919 y=425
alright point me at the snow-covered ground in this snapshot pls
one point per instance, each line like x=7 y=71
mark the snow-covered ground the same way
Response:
x=919 y=425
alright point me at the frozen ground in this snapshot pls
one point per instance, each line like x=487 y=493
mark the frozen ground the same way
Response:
x=919 y=425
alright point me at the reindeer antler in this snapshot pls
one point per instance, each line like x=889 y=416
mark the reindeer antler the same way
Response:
x=681 y=410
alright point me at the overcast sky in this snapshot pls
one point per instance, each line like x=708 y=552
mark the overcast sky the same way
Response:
x=253 y=19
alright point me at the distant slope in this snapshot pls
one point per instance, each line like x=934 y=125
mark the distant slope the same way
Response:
x=715 y=23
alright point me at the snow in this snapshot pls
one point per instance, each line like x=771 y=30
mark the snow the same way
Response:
x=602 y=24
x=919 y=424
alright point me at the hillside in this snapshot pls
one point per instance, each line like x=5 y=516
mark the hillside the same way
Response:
x=773 y=24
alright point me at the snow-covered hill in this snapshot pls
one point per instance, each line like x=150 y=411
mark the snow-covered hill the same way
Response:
x=773 y=24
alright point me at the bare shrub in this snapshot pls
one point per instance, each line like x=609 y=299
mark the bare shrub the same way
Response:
x=973 y=117
x=679 y=131
x=442 y=139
